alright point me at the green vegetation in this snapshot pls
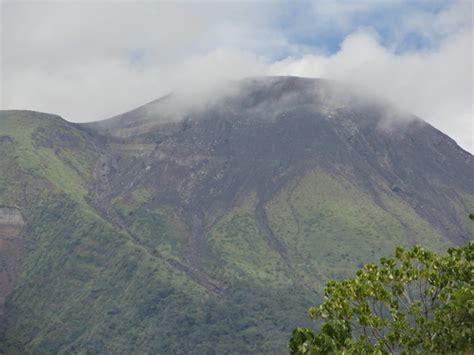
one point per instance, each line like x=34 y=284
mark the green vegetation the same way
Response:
x=242 y=249
x=160 y=231
x=41 y=146
x=330 y=227
x=416 y=301
x=88 y=285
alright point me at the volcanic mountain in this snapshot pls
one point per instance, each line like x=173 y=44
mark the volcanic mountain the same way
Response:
x=210 y=226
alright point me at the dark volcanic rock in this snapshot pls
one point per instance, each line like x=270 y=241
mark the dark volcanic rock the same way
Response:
x=266 y=132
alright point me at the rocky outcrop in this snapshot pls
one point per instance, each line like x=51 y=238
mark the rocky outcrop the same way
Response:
x=11 y=250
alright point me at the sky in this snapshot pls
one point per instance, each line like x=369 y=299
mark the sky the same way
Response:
x=89 y=60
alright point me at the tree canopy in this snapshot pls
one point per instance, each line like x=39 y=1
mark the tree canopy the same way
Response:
x=415 y=301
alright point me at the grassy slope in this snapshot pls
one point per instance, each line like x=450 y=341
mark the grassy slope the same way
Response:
x=243 y=250
x=254 y=315
x=159 y=231
x=79 y=270
x=65 y=168
x=330 y=227
x=86 y=286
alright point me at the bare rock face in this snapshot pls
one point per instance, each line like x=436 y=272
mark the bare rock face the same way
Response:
x=11 y=250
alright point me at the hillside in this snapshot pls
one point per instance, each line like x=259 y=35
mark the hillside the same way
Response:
x=212 y=228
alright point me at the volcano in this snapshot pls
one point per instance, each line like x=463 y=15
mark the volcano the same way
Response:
x=212 y=225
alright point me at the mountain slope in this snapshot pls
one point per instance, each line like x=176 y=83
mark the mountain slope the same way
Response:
x=90 y=284
x=213 y=228
x=280 y=128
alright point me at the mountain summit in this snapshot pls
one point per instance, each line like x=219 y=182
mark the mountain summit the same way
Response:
x=264 y=133
x=211 y=225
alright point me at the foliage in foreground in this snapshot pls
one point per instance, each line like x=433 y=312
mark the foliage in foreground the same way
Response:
x=416 y=301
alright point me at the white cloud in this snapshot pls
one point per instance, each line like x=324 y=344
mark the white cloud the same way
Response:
x=88 y=61
x=91 y=60
x=436 y=85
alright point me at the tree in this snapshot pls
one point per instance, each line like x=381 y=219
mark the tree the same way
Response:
x=415 y=301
